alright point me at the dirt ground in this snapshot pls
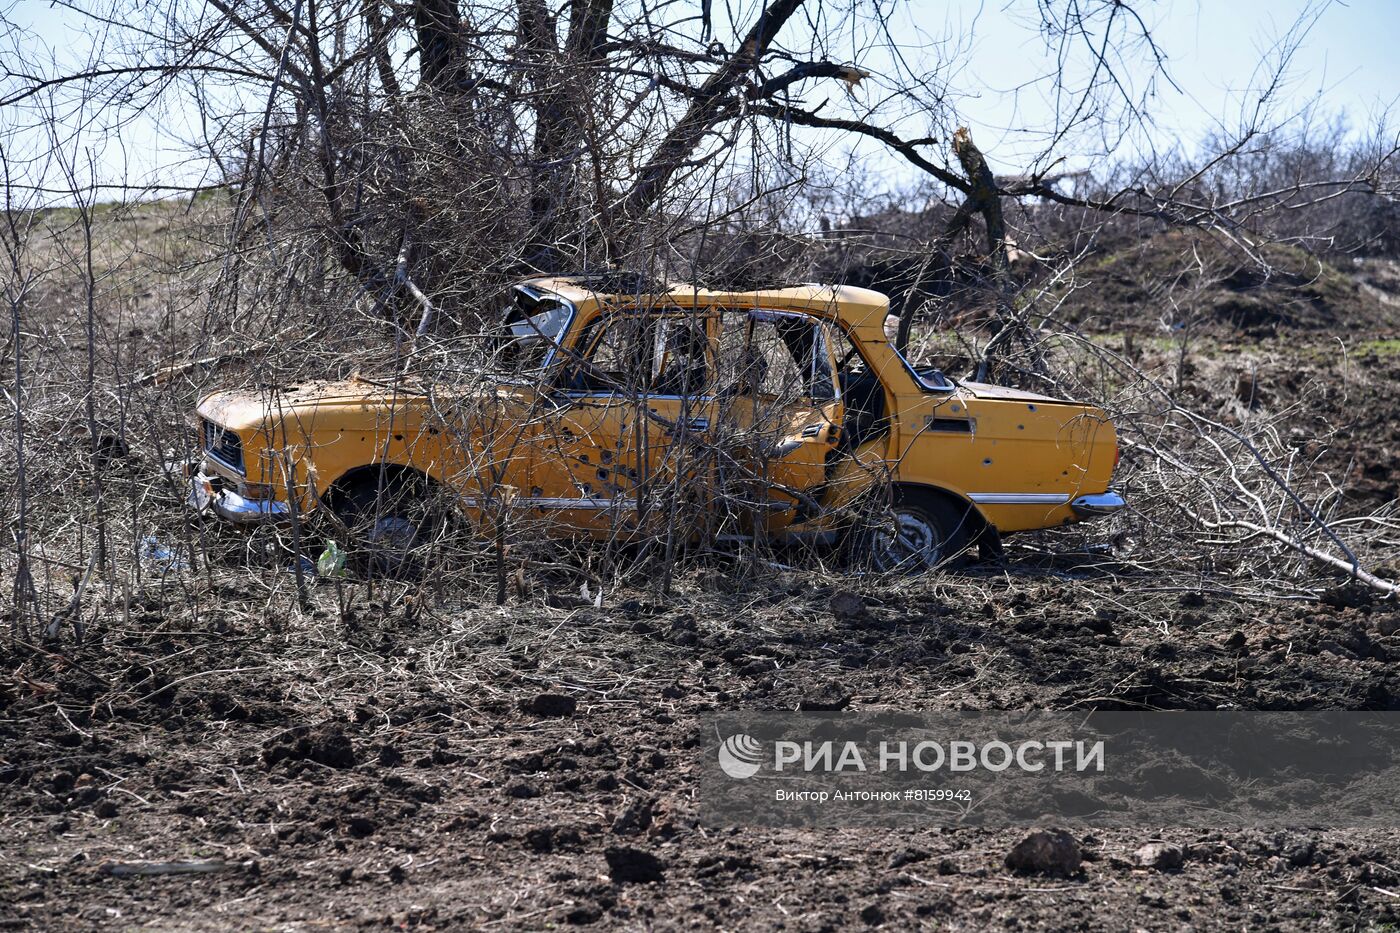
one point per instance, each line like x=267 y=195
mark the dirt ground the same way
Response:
x=396 y=769
x=445 y=763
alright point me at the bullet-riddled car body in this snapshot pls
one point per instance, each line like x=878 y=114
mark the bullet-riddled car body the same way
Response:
x=776 y=413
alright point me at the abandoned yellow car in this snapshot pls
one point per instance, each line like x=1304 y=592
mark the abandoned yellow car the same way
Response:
x=778 y=415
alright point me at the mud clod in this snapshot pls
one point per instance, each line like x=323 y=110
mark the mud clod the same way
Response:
x=847 y=605
x=907 y=857
x=549 y=704
x=825 y=701
x=636 y=818
x=1046 y=852
x=325 y=745
x=361 y=827
x=584 y=915
x=521 y=790
x=1160 y=856
x=628 y=865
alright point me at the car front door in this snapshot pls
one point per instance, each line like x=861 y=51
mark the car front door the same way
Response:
x=623 y=449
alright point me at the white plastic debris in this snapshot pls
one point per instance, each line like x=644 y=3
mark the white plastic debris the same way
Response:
x=156 y=554
x=331 y=563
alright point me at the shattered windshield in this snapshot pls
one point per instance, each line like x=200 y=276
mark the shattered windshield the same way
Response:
x=534 y=324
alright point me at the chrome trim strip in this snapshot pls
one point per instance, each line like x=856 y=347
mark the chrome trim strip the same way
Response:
x=1018 y=498
x=596 y=502
x=565 y=502
x=632 y=397
x=547 y=502
x=1098 y=504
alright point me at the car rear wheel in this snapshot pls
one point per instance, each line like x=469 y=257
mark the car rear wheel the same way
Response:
x=918 y=532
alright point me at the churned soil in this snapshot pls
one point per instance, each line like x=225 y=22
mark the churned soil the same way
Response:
x=529 y=766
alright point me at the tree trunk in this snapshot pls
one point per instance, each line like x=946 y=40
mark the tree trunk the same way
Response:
x=709 y=105
x=439 y=44
x=563 y=84
x=1011 y=327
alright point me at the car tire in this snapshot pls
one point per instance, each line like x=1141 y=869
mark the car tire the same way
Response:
x=917 y=532
x=393 y=522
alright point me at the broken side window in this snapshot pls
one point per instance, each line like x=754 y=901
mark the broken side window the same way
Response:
x=533 y=326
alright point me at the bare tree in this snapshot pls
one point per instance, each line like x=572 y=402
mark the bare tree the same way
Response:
x=376 y=169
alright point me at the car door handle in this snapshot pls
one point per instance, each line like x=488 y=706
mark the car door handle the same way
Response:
x=833 y=431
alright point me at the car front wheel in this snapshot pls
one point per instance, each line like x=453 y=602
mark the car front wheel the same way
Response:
x=392 y=524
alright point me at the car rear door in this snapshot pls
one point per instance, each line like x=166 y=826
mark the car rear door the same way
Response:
x=781 y=409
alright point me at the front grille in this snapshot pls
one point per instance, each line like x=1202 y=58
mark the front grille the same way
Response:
x=223 y=445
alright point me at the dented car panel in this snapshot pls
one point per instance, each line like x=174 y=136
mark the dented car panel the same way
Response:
x=1020 y=462
x=616 y=400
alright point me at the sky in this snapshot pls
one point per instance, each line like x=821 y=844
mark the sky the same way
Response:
x=1346 y=62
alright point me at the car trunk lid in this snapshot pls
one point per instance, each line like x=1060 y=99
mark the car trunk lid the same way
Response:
x=985 y=390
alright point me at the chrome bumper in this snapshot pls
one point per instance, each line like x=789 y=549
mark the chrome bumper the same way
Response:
x=1098 y=504
x=232 y=507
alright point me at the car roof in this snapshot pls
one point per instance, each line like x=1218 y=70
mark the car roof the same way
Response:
x=858 y=309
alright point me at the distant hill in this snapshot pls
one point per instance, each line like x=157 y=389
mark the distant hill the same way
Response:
x=1188 y=279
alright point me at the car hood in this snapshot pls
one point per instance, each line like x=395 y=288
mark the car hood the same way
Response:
x=347 y=403
x=242 y=409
